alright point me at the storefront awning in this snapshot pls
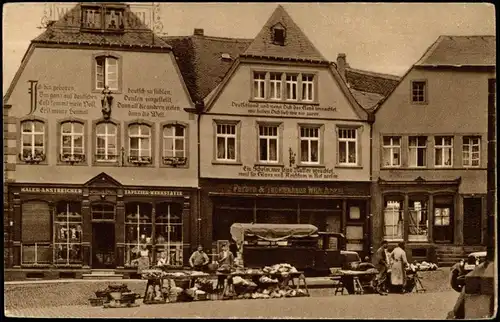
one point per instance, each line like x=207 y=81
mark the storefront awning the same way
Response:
x=271 y=232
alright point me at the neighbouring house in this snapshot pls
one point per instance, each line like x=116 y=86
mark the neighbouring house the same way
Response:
x=430 y=151
x=282 y=139
x=101 y=155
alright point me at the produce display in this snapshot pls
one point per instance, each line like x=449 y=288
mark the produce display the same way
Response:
x=158 y=273
x=423 y=266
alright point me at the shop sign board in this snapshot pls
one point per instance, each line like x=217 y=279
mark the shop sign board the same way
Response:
x=167 y=193
x=52 y=190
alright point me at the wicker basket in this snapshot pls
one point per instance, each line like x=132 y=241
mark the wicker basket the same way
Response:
x=96 y=302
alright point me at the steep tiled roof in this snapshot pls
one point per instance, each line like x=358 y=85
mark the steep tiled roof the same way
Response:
x=201 y=60
x=461 y=51
x=371 y=82
x=367 y=100
x=297 y=46
x=67 y=31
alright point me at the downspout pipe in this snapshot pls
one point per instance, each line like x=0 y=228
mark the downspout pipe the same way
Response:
x=371 y=121
x=198 y=111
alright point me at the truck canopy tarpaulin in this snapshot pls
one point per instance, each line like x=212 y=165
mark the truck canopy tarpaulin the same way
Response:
x=272 y=232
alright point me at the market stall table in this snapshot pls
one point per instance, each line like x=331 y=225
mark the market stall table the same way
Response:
x=354 y=282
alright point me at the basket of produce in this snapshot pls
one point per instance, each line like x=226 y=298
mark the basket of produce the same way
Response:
x=150 y=274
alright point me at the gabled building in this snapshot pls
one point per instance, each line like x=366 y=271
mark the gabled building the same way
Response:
x=101 y=156
x=430 y=151
x=282 y=139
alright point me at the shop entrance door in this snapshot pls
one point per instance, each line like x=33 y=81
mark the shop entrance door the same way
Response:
x=103 y=245
x=472 y=221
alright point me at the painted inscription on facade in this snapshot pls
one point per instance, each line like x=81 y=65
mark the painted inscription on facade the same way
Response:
x=147 y=102
x=282 y=109
x=61 y=99
x=287 y=190
x=306 y=173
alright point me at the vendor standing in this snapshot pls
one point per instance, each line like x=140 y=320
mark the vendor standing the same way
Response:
x=199 y=259
x=398 y=267
x=226 y=258
x=380 y=261
x=143 y=261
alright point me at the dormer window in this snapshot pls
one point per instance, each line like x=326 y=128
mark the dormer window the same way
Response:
x=278 y=33
x=103 y=18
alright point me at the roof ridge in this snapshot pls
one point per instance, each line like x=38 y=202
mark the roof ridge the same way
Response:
x=371 y=73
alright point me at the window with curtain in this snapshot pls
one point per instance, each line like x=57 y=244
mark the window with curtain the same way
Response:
x=418 y=224
x=106 y=142
x=72 y=142
x=292 y=84
x=68 y=230
x=33 y=141
x=259 y=85
x=309 y=145
x=106 y=68
x=307 y=88
x=174 y=144
x=168 y=230
x=268 y=143
x=391 y=151
x=443 y=151
x=226 y=142
x=275 y=85
x=417 y=151
x=471 y=151
x=138 y=230
x=347 y=144
x=139 y=143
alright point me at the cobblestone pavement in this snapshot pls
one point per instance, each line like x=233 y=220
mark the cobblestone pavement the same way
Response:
x=407 y=306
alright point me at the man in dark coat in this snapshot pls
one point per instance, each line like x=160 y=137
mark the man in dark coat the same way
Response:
x=380 y=263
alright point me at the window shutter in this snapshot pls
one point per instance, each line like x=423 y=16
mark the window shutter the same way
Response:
x=36 y=223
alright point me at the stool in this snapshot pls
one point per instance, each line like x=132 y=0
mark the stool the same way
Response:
x=338 y=286
x=358 y=288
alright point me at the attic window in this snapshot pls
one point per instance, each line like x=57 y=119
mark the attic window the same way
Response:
x=226 y=56
x=103 y=18
x=278 y=35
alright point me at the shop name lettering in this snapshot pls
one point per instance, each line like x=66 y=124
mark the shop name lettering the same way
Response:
x=59 y=99
x=283 y=109
x=287 y=173
x=52 y=190
x=153 y=192
x=288 y=190
x=145 y=102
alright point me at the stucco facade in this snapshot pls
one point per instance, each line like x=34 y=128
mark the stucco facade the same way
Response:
x=454 y=107
x=104 y=150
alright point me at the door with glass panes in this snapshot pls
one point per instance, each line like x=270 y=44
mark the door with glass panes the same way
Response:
x=103 y=236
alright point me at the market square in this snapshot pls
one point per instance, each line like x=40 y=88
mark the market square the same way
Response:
x=190 y=156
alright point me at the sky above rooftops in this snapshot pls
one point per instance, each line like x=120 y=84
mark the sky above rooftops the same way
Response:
x=379 y=37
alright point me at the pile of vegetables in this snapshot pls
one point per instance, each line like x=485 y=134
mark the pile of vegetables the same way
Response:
x=153 y=274
x=283 y=269
x=270 y=294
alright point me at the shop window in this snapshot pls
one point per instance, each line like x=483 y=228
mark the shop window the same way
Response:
x=471 y=147
x=354 y=237
x=291 y=87
x=275 y=82
x=72 y=142
x=393 y=218
x=228 y=211
x=347 y=146
x=417 y=151
x=168 y=230
x=174 y=145
x=68 y=233
x=307 y=88
x=226 y=142
x=309 y=145
x=419 y=91
x=107 y=73
x=36 y=233
x=268 y=143
x=276 y=211
x=418 y=224
x=33 y=141
x=391 y=151
x=138 y=230
x=139 y=144
x=354 y=213
x=443 y=151
x=103 y=212
x=259 y=85
x=106 y=142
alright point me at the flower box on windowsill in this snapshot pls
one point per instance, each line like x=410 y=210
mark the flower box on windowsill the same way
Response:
x=102 y=158
x=139 y=160
x=32 y=159
x=72 y=158
x=174 y=161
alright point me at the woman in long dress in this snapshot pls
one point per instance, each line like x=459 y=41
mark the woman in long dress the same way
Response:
x=143 y=262
x=398 y=265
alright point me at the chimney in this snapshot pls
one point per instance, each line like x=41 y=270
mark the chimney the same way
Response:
x=341 y=65
x=198 y=32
